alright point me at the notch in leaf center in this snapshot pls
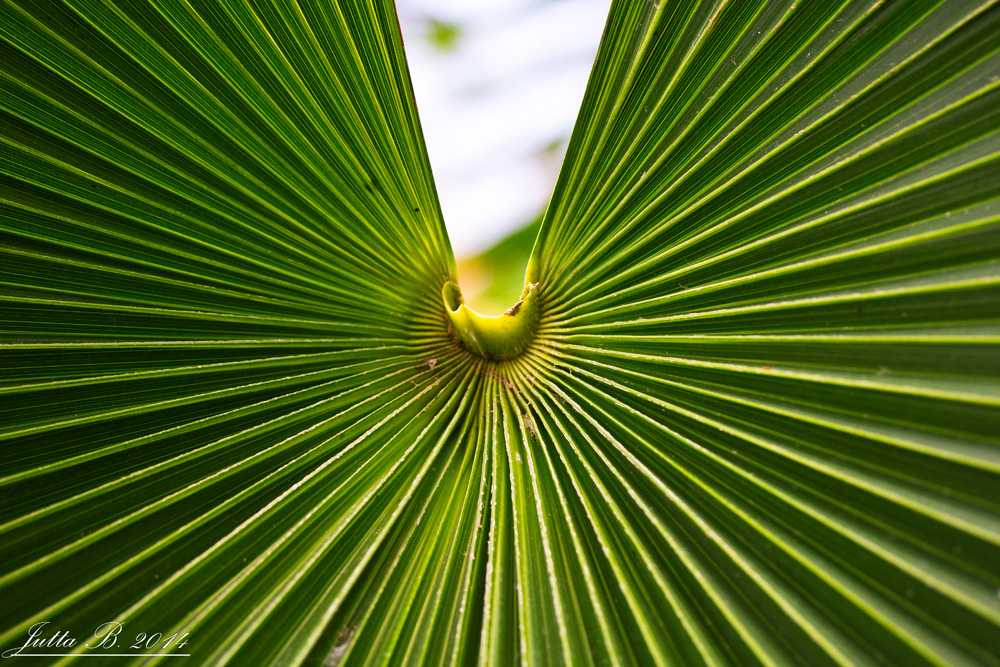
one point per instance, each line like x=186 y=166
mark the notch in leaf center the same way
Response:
x=494 y=337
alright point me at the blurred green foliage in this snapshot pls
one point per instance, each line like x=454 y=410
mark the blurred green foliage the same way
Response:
x=443 y=35
x=493 y=279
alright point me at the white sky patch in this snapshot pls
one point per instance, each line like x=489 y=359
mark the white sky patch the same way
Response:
x=493 y=107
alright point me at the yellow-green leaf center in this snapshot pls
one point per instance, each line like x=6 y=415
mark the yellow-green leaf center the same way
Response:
x=495 y=337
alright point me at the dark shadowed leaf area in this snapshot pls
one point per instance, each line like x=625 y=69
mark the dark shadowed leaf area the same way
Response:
x=758 y=423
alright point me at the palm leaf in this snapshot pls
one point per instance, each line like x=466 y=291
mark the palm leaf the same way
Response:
x=757 y=423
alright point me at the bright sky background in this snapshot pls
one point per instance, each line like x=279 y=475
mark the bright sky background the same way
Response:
x=498 y=107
